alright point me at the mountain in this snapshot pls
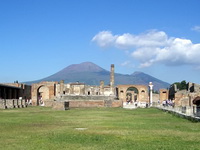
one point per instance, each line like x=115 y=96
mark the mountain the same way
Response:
x=91 y=74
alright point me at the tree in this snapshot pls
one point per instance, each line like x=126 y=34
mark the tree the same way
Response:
x=181 y=85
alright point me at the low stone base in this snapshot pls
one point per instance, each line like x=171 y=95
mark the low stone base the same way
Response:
x=86 y=104
x=49 y=103
x=94 y=103
x=12 y=103
x=129 y=105
x=60 y=105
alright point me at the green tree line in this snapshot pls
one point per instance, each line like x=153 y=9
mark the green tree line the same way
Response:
x=181 y=85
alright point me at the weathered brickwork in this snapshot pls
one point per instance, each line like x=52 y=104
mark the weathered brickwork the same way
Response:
x=87 y=104
x=134 y=94
x=61 y=105
x=42 y=92
x=164 y=95
x=12 y=103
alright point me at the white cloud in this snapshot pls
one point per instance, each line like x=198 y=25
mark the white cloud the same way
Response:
x=179 y=52
x=196 y=28
x=126 y=41
x=153 y=47
x=104 y=39
x=149 y=39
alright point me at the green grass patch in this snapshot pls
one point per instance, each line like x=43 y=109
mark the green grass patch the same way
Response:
x=96 y=128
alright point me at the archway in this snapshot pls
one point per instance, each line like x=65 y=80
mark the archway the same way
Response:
x=42 y=94
x=196 y=102
x=132 y=94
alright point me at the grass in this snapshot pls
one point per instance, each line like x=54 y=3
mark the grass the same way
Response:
x=96 y=128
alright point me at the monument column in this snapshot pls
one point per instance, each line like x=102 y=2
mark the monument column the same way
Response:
x=112 y=80
x=151 y=93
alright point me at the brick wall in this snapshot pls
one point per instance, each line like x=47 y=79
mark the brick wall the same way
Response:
x=12 y=103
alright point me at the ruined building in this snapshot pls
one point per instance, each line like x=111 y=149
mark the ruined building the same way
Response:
x=81 y=95
x=187 y=100
x=14 y=95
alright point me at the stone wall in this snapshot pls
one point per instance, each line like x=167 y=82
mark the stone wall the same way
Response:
x=49 y=103
x=155 y=98
x=91 y=101
x=94 y=103
x=86 y=97
x=142 y=95
x=164 y=95
x=49 y=92
x=117 y=103
x=60 y=105
x=12 y=103
x=83 y=104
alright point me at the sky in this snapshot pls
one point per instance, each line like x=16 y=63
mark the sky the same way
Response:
x=158 y=37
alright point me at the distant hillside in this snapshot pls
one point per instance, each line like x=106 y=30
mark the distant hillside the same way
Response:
x=91 y=74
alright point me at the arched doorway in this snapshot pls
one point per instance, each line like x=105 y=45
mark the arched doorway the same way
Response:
x=196 y=102
x=42 y=95
x=132 y=94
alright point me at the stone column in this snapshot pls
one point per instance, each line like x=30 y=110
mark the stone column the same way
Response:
x=101 y=87
x=61 y=86
x=112 y=80
x=151 y=93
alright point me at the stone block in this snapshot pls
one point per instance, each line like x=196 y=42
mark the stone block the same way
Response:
x=61 y=105
x=15 y=103
x=19 y=103
x=2 y=104
x=9 y=103
x=117 y=103
x=108 y=103
x=23 y=103
x=87 y=104
x=49 y=103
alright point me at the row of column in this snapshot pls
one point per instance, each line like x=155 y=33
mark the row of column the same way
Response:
x=9 y=93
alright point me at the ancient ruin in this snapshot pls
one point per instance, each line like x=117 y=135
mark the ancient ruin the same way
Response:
x=188 y=99
x=14 y=95
x=62 y=96
x=82 y=95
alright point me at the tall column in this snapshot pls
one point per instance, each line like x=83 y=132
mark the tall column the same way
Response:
x=112 y=79
x=151 y=93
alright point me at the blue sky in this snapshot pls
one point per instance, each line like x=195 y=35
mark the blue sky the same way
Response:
x=159 y=37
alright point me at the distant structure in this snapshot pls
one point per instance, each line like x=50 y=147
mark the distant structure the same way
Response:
x=78 y=94
x=14 y=95
x=15 y=91
x=133 y=96
x=186 y=101
x=81 y=95
x=188 y=97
